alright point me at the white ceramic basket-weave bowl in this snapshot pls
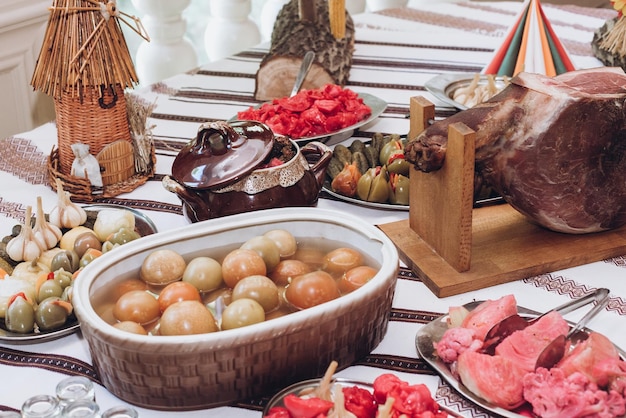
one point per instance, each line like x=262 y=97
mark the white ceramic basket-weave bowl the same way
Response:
x=204 y=370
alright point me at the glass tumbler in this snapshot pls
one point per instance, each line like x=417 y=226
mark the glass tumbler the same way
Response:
x=41 y=406
x=120 y=412
x=73 y=389
x=81 y=409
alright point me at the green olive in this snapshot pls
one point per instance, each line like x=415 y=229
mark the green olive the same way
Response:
x=123 y=236
x=63 y=278
x=52 y=313
x=49 y=288
x=90 y=255
x=66 y=260
x=20 y=315
x=108 y=246
x=85 y=241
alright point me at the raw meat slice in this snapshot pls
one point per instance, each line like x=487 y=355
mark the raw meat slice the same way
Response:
x=524 y=347
x=554 y=148
x=496 y=379
x=588 y=358
x=489 y=313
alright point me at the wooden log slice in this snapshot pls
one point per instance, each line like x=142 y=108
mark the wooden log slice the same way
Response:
x=291 y=38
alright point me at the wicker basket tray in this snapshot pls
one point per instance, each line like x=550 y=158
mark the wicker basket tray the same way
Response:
x=80 y=189
x=199 y=371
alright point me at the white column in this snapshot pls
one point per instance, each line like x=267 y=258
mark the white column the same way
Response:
x=270 y=10
x=230 y=29
x=375 y=5
x=168 y=52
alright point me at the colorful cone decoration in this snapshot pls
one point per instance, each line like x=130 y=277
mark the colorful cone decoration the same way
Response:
x=531 y=46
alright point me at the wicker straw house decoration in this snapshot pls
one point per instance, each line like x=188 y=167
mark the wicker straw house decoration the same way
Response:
x=85 y=66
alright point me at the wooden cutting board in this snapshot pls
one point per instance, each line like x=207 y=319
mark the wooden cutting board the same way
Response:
x=505 y=247
x=455 y=248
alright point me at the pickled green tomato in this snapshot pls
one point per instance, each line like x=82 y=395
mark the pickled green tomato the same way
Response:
x=242 y=312
x=341 y=260
x=138 y=306
x=241 y=263
x=267 y=249
x=287 y=270
x=185 y=318
x=161 y=267
x=311 y=289
x=205 y=273
x=177 y=292
x=132 y=327
x=259 y=288
x=284 y=240
x=355 y=278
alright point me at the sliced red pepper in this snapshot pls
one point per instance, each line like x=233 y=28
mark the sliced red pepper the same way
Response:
x=360 y=402
x=306 y=407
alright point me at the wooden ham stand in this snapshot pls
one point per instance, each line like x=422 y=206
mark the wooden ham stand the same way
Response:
x=455 y=248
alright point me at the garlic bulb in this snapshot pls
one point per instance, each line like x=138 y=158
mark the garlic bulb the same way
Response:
x=47 y=234
x=24 y=247
x=66 y=214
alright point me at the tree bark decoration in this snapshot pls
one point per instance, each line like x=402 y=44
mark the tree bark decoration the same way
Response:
x=294 y=34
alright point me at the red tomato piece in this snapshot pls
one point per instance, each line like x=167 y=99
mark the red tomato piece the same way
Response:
x=360 y=402
x=277 y=412
x=306 y=407
x=297 y=103
x=383 y=384
x=327 y=106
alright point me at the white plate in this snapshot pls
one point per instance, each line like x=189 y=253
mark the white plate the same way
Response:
x=143 y=225
x=432 y=333
x=377 y=106
x=443 y=86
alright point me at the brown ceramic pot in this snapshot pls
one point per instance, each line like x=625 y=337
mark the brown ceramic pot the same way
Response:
x=217 y=173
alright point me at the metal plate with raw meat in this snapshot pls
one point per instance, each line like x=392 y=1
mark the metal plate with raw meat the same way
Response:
x=432 y=333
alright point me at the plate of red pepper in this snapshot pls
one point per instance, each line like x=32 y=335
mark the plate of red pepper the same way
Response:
x=317 y=114
x=387 y=396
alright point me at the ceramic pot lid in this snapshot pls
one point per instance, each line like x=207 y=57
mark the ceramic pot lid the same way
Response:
x=222 y=153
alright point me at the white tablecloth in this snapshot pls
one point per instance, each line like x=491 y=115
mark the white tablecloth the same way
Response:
x=397 y=51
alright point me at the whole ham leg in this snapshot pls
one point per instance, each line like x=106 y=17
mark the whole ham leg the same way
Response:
x=554 y=148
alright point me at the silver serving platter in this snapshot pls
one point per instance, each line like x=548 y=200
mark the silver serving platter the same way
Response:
x=432 y=333
x=377 y=106
x=356 y=201
x=443 y=86
x=143 y=225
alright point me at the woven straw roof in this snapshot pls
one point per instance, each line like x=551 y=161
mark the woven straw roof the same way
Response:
x=83 y=47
